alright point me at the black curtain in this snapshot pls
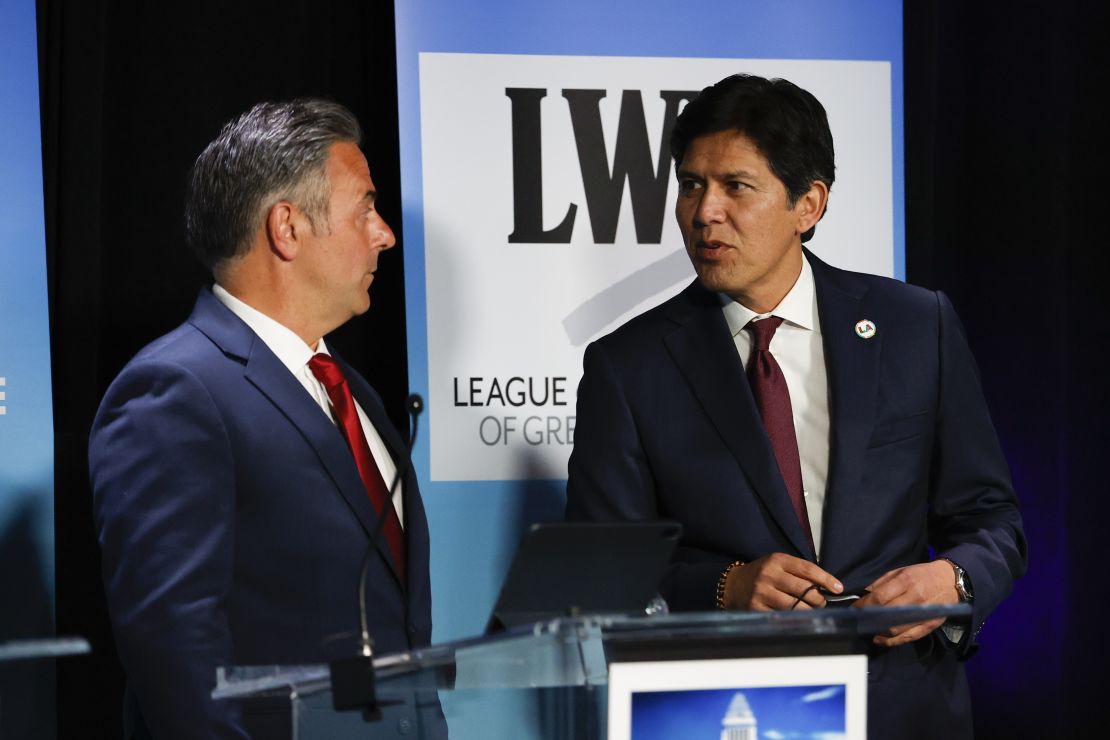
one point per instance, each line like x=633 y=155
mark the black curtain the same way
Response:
x=131 y=92
x=1005 y=191
x=1006 y=188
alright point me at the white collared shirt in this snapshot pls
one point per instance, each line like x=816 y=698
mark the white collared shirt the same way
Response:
x=798 y=349
x=291 y=350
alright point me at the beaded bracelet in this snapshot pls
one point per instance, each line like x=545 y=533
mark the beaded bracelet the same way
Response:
x=721 y=583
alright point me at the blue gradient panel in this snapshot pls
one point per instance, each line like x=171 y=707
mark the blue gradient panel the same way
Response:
x=476 y=526
x=26 y=418
x=27 y=688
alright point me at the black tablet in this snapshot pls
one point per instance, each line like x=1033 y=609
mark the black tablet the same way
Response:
x=568 y=568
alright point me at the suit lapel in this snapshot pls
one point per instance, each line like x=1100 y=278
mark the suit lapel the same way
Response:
x=266 y=373
x=704 y=351
x=852 y=364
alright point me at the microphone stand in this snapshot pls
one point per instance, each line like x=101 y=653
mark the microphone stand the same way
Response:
x=352 y=679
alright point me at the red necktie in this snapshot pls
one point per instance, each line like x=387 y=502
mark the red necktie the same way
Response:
x=335 y=383
x=773 y=399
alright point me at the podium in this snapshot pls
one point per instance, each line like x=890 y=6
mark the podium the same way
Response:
x=552 y=679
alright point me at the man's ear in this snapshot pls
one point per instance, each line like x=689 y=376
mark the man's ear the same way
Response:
x=283 y=230
x=811 y=206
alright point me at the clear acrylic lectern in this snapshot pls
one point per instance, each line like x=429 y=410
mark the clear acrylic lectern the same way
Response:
x=549 y=679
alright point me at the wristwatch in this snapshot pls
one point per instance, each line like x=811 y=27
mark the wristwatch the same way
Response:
x=963 y=583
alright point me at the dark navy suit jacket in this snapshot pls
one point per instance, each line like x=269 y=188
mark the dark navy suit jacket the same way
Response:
x=233 y=523
x=667 y=428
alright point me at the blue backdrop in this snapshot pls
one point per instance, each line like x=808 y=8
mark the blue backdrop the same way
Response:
x=476 y=525
x=26 y=426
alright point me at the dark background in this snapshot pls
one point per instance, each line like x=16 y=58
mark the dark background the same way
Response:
x=1006 y=189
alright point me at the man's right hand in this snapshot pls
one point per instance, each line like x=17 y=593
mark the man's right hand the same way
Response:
x=776 y=581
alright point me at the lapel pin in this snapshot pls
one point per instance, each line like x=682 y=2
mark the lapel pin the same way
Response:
x=865 y=329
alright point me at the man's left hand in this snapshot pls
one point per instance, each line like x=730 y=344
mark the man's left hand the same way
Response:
x=924 y=583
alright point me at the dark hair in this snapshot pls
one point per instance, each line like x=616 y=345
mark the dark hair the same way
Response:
x=274 y=151
x=787 y=124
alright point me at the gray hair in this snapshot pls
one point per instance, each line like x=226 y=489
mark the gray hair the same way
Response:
x=273 y=152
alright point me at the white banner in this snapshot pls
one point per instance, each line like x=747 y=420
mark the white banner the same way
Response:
x=548 y=199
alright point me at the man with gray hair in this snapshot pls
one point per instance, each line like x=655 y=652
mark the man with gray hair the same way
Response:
x=240 y=469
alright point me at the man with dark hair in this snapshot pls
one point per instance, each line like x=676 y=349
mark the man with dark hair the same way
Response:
x=811 y=428
x=239 y=467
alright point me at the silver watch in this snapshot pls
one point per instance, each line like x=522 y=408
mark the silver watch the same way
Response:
x=963 y=583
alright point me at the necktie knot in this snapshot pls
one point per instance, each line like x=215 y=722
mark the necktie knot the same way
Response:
x=326 y=370
x=763 y=331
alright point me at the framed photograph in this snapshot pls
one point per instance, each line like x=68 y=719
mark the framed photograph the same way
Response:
x=796 y=698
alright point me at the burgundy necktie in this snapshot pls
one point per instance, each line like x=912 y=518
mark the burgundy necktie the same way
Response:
x=335 y=383
x=773 y=399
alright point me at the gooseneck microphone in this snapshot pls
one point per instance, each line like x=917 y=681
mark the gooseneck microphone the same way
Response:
x=414 y=405
x=352 y=679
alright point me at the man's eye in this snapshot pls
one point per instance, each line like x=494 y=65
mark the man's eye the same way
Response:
x=687 y=186
x=736 y=185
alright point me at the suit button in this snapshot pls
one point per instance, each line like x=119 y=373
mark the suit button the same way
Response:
x=404 y=725
x=412 y=629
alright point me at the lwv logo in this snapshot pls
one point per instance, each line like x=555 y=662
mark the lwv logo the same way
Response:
x=603 y=183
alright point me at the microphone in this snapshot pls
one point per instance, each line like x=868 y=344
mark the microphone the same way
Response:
x=352 y=679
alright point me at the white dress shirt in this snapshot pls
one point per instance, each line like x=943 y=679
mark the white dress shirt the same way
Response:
x=798 y=349
x=291 y=350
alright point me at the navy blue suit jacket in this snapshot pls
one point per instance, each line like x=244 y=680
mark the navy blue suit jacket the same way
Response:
x=233 y=523
x=667 y=428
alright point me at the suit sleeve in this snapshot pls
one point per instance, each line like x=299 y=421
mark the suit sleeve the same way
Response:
x=608 y=476
x=164 y=503
x=610 y=479
x=974 y=518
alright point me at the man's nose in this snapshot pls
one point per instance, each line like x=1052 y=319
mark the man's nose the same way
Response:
x=710 y=208
x=383 y=235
